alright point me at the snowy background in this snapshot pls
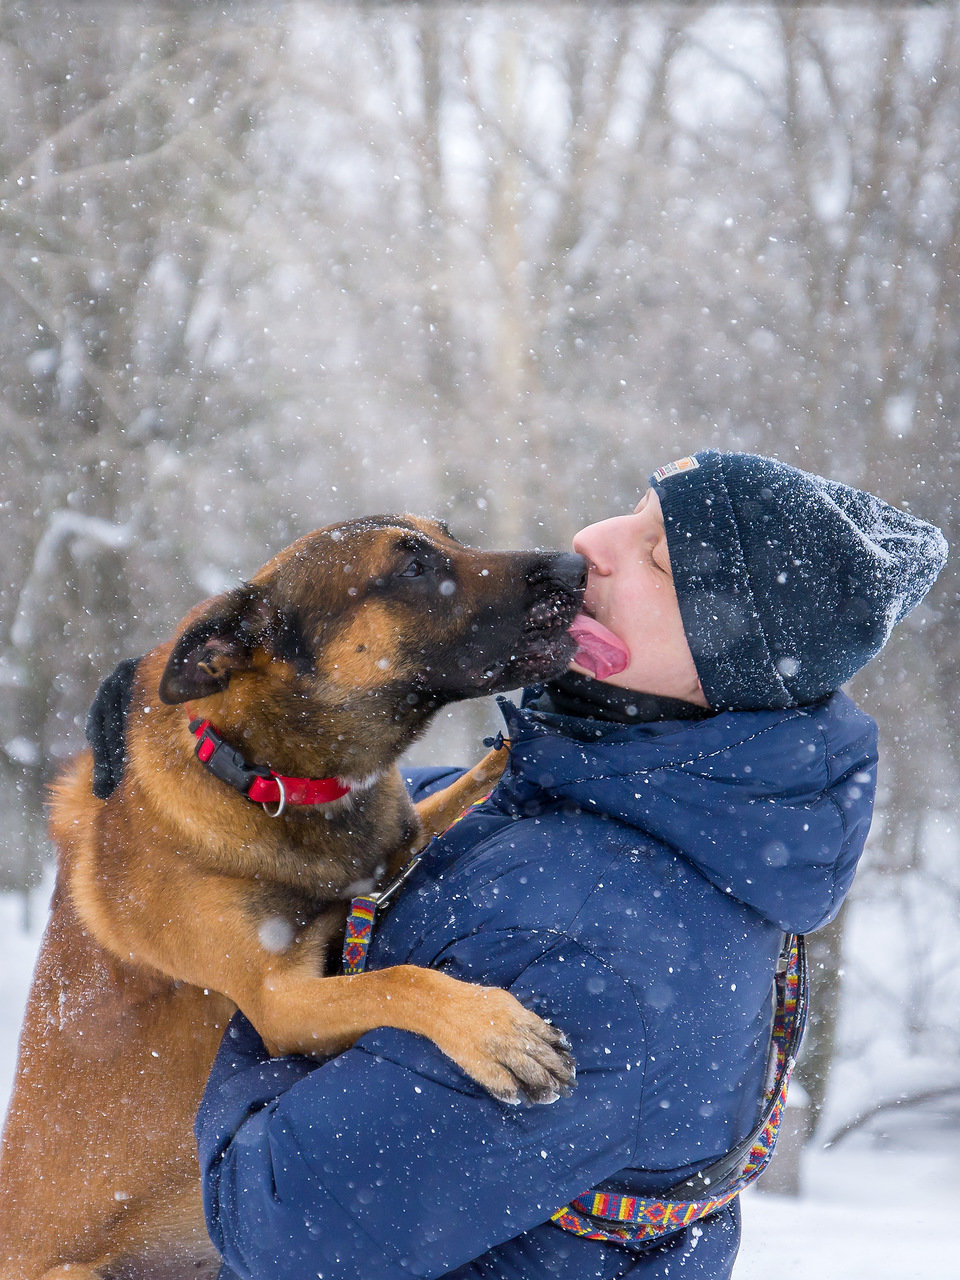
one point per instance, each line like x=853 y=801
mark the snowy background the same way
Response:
x=263 y=266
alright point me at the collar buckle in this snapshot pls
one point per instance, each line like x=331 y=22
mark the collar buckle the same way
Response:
x=222 y=760
x=259 y=784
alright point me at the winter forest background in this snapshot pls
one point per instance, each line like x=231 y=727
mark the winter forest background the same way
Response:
x=265 y=267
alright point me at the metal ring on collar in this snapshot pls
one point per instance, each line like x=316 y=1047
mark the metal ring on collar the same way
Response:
x=283 y=800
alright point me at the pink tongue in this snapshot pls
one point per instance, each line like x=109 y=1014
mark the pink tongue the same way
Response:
x=598 y=650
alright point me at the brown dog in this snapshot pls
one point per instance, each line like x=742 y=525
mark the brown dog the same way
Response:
x=178 y=898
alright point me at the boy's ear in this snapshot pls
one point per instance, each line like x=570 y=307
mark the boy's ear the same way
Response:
x=215 y=645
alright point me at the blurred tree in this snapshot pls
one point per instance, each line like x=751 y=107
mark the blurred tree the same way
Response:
x=110 y=173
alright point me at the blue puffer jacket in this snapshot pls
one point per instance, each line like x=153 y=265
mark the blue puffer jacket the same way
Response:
x=631 y=883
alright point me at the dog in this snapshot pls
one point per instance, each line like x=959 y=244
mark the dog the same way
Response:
x=197 y=888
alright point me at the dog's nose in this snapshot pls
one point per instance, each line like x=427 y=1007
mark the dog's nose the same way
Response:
x=569 y=571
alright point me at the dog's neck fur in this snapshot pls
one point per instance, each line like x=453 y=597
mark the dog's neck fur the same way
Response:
x=352 y=838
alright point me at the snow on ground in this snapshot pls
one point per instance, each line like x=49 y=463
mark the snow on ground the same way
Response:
x=873 y=1208
x=881 y=1205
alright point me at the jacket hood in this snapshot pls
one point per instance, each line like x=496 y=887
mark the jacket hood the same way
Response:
x=772 y=807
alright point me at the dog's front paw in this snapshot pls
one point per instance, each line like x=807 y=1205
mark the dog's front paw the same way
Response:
x=514 y=1054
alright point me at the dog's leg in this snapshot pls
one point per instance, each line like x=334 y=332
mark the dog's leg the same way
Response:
x=485 y=1030
x=438 y=811
x=215 y=945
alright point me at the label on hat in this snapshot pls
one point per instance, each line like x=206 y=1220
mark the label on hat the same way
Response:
x=675 y=468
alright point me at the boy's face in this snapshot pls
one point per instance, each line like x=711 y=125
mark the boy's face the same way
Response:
x=630 y=591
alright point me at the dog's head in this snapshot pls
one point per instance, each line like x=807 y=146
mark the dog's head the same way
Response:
x=361 y=630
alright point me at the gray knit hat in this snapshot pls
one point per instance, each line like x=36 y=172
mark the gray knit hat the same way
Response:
x=787 y=583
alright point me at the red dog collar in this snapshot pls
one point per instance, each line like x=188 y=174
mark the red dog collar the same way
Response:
x=258 y=783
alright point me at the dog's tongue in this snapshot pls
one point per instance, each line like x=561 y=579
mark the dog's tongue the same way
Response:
x=598 y=649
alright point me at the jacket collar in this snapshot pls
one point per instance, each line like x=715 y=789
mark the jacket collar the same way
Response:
x=577 y=695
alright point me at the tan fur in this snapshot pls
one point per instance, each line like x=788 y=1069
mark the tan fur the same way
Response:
x=170 y=893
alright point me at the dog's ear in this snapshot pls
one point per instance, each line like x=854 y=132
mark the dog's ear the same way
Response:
x=220 y=641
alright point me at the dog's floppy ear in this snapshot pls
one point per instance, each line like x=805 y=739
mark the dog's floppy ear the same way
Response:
x=215 y=645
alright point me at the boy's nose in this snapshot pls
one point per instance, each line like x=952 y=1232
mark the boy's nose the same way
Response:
x=593 y=543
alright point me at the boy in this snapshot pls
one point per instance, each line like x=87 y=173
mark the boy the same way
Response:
x=693 y=789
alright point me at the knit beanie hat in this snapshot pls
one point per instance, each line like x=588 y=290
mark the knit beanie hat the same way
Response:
x=787 y=583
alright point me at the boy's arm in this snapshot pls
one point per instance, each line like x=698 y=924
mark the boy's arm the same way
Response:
x=424 y=781
x=388 y=1161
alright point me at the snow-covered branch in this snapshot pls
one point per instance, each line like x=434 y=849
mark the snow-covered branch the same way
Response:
x=70 y=533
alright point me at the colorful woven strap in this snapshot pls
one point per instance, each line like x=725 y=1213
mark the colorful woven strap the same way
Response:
x=613 y=1218
x=356 y=942
x=363 y=910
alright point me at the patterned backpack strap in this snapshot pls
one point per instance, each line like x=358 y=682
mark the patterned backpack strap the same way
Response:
x=615 y=1218
x=363 y=910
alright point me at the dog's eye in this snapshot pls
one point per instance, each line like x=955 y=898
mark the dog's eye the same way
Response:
x=415 y=569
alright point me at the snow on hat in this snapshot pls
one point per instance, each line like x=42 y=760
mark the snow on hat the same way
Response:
x=787 y=583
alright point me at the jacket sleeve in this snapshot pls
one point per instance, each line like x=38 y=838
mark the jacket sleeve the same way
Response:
x=422 y=782
x=388 y=1161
